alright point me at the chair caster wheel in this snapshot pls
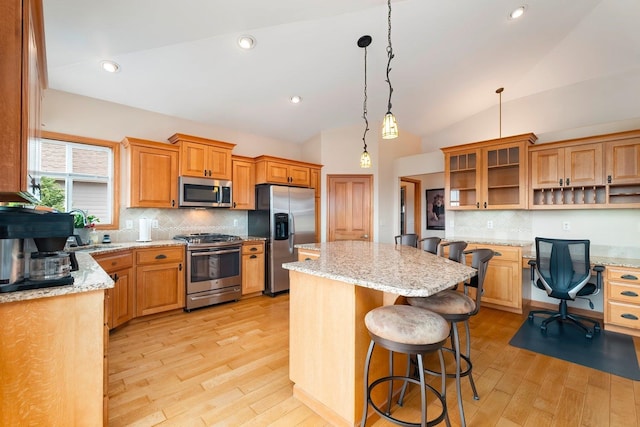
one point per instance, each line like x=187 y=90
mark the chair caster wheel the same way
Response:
x=589 y=335
x=543 y=328
x=597 y=329
x=530 y=317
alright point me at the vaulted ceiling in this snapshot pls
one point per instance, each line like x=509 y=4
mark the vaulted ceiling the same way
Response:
x=181 y=58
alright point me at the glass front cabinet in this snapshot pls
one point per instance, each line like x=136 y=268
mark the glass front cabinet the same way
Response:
x=488 y=174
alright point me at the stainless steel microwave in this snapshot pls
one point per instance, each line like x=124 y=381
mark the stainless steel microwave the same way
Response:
x=204 y=193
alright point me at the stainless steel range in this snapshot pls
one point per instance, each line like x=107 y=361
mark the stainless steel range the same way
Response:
x=214 y=269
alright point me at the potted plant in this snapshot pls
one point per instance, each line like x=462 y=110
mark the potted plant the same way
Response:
x=84 y=226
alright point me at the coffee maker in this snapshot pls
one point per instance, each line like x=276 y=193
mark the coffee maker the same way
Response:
x=31 y=249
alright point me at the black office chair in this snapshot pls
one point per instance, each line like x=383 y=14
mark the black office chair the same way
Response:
x=429 y=244
x=407 y=240
x=563 y=270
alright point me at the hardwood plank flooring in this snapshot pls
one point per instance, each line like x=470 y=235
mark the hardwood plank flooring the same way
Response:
x=227 y=365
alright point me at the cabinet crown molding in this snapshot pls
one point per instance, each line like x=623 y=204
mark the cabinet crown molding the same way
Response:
x=528 y=137
x=176 y=138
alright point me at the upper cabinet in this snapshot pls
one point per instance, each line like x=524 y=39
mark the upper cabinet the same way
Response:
x=275 y=170
x=488 y=175
x=23 y=70
x=201 y=157
x=595 y=172
x=152 y=169
x=244 y=182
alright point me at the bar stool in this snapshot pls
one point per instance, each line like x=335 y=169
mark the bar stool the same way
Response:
x=458 y=307
x=429 y=244
x=412 y=331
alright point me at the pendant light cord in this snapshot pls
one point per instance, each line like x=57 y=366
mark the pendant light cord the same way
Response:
x=364 y=105
x=390 y=56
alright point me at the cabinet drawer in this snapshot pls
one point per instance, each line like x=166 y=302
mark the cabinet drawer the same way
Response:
x=622 y=314
x=626 y=275
x=623 y=292
x=160 y=255
x=113 y=262
x=504 y=253
x=252 y=248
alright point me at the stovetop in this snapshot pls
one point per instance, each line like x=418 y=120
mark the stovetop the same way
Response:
x=207 y=238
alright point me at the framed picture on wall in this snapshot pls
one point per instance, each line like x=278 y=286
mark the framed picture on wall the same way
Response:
x=435 y=209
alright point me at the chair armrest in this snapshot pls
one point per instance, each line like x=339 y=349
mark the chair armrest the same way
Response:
x=598 y=269
x=532 y=267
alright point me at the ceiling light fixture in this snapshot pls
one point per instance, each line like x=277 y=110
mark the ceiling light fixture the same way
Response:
x=295 y=99
x=517 y=13
x=499 y=92
x=246 y=42
x=389 y=124
x=110 y=66
x=365 y=158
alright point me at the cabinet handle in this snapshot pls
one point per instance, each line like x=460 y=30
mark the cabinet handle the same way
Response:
x=253 y=256
x=114 y=277
x=209 y=172
x=234 y=204
x=485 y=205
x=567 y=181
x=180 y=267
x=478 y=205
x=253 y=249
x=628 y=277
x=608 y=179
x=307 y=259
x=497 y=253
x=629 y=294
x=629 y=316
x=173 y=203
x=204 y=172
x=161 y=256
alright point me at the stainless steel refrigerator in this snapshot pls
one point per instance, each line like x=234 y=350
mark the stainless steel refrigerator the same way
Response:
x=285 y=216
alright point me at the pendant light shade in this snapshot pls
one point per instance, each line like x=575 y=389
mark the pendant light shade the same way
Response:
x=365 y=158
x=389 y=124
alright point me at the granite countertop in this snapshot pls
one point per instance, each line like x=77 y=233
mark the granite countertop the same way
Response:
x=89 y=277
x=105 y=248
x=400 y=270
x=488 y=241
x=597 y=260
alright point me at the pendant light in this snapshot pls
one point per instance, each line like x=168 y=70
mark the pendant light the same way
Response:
x=365 y=158
x=389 y=124
x=499 y=92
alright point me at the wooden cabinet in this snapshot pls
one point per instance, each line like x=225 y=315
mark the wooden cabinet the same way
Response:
x=23 y=71
x=316 y=176
x=600 y=171
x=153 y=173
x=275 y=170
x=503 y=282
x=122 y=296
x=244 y=183
x=201 y=157
x=160 y=279
x=622 y=300
x=308 y=254
x=488 y=174
x=253 y=267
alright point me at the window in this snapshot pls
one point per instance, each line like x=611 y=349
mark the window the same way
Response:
x=84 y=170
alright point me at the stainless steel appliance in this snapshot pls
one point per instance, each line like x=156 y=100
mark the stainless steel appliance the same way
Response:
x=285 y=216
x=214 y=269
x=204 y=193
x=31 y=249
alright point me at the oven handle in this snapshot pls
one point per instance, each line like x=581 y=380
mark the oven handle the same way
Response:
x=215 y=252
x=227 y=291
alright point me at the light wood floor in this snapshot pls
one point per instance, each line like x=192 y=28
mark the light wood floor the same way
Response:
x=228 y=365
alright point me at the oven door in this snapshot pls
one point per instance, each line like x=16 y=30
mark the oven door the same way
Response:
x=213 y=268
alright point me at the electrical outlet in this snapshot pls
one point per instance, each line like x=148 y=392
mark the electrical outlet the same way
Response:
x=235 y=222
x=489 y=224
x=566 y=225
x=154 y=223
x=129 y=224
x=450 y=223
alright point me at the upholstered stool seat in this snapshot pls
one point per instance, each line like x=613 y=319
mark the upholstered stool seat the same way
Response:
x=412 y=331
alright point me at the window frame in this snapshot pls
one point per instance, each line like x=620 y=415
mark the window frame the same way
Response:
x=115 y=147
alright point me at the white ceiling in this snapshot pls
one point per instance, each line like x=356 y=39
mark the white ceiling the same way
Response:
x=181 y=58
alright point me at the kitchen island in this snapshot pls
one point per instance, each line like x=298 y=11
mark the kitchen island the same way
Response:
x=329 y=298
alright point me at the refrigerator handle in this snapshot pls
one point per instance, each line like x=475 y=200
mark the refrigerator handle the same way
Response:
x=292 y=232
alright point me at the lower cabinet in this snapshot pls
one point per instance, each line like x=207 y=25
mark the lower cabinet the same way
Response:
x=252 y=267
x=503 y=283
x=160 y=279
x=308 y=254
x=622 y=300
x=122 y=296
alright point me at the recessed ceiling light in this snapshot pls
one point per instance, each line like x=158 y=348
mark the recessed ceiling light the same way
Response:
x=246 y=42
x=517 y=13
x=110 y=66
x=295 y=99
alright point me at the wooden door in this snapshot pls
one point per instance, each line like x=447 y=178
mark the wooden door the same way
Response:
x=349 y=207
x=547 y=168
x=583 y=165
x=623 y=161
x=122 y=298
x=462 y=179
x=193 y=159
x=159 y=288
x=244 y=183
x=219 y=163
x=154 y=177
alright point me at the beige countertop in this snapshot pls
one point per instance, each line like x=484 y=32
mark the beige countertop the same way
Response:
x=400 y=270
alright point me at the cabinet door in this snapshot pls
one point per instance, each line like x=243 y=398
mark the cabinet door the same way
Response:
x=122 y=297
x=547 y=168
x=503 y=284
x=462 y=180
x=277 y=173
x=252 y=273
x=194 y=159
x=583 y=165
x=504 y=177
x=244 y=182
x=159 y=288
x=623 y=161
x=219 y=164
x=299 y=176
x=154 y=177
